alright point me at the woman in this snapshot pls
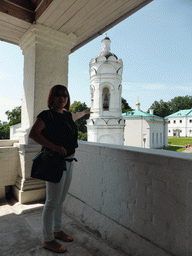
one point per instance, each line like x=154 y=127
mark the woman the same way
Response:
x=55 y=130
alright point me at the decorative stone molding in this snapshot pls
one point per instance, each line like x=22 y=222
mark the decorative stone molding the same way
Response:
x=51 y=38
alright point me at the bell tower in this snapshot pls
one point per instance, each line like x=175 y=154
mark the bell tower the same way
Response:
x=106 y=125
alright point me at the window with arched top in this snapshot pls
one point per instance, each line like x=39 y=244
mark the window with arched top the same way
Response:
x=106 y=98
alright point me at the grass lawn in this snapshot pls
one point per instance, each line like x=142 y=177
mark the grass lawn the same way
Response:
x=175 y=148
x=182 y=141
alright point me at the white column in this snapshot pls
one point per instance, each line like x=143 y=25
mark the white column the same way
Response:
x=45 y=65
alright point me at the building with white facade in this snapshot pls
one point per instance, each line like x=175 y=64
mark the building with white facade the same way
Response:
x=144 y=129
x=180 y=123
x=106 y=124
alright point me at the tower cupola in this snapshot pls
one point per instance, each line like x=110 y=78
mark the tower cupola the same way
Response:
x=138 y=104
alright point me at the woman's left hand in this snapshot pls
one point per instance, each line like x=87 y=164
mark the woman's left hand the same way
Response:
x=78 y=115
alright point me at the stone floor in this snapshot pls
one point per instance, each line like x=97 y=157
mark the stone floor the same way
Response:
x=21 y=233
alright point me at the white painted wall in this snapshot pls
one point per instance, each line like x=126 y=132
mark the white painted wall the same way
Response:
x=131 y=196
x=132 y=133
x=184 y=124
x=9 y=165
x=13 y=131
x=137 y=128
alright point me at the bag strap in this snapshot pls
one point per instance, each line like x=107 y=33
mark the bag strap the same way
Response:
x=70 y=159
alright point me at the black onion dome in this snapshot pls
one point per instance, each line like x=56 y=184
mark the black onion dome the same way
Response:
x=107 y=38
x=106 y=54
x=105 y=49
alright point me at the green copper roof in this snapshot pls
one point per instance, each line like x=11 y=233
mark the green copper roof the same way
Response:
x=181 y=113
x=137 y=113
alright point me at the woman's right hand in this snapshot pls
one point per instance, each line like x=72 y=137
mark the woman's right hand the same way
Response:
x=61 y=150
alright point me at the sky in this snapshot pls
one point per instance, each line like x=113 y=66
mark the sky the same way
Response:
x=155 y=45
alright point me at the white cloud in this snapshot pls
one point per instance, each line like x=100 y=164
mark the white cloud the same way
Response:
x=185 y=88
x=154 y=86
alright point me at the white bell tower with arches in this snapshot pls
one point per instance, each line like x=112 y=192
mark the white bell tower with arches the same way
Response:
x=105 y=124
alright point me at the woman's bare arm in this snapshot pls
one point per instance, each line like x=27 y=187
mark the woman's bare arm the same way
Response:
x=78 y=115
x=36 y=135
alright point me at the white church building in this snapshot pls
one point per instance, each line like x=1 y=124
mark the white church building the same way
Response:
x=144 y=129
x=107 y=124
x=180 y=123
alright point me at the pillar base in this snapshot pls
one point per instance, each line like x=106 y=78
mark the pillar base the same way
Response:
x=33 y=190
x=27 y=189
x=29 y=196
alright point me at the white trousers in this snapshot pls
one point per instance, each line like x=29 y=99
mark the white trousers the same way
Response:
x=55 y=196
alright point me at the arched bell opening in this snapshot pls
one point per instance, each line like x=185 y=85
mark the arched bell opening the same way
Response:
x=106 y=99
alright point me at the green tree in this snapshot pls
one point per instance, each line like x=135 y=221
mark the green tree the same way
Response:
x=125 y=106
x=82 y=136
x=180 y=103
x=14 y=116
x=77 y=106
x=161 y=108
x=5 y=132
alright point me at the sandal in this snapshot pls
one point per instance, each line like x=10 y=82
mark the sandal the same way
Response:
x=61 y=235
x=54 y=246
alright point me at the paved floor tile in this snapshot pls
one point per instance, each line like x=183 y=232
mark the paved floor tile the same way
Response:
x=21 y=234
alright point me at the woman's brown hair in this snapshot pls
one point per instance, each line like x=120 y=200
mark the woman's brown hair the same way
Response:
x=53 y=92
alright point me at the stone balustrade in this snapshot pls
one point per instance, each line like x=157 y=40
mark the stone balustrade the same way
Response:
x=9 y=164
x=138 y=199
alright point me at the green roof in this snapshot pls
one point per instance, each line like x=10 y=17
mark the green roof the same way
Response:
x=181 y=113
x=137 y=113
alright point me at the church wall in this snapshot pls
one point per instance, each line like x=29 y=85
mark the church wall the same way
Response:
x=145 y=134
x=138 y=129
x=157 y=134
x=132 y=133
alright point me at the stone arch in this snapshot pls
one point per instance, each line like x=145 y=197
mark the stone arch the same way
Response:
x=107 y=94
x=112 y=58
x=120 y=71
x=106 y=68
x=106 y=139
x=113 y=121
x=107 y=84
x=106 y=98
x=93 y=72
x=100 y=122
x=101 y=59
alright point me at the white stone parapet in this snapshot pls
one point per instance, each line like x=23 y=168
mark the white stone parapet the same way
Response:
x=138 y=199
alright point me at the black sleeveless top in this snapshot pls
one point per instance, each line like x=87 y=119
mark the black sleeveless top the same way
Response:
x=60 y=129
